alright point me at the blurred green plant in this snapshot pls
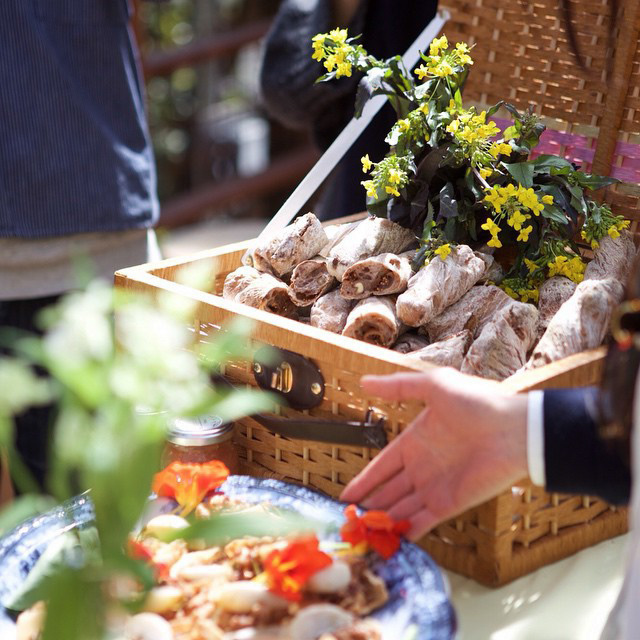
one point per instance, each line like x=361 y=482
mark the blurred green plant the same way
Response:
x=116 y=385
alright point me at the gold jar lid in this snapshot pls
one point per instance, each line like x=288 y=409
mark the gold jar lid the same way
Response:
x=199 y=432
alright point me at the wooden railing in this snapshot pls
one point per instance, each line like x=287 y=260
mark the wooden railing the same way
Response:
x=282 y=173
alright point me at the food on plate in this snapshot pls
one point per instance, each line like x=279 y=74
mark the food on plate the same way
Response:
x=211 y=581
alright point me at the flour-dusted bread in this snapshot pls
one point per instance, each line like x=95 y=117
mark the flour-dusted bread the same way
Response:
x=330 y=312
x=259 y=290
x=612 y=259
x=369 y=237
x=472 y=311
x=581 y=322
x=438 y=285
x=381 y=275
x=502 y=346
x=448 y=352
x=335 y=233
x=310 y=280
x=374 y=320
x=300 y=241
x=409 y=342
x=554 y=292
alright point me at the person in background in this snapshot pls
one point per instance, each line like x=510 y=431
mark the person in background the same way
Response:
x=288 y=75
x=77 y=175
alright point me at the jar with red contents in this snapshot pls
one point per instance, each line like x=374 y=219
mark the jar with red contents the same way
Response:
x=200 y=440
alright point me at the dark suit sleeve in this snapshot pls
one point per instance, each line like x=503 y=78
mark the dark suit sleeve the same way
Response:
x=576 y=458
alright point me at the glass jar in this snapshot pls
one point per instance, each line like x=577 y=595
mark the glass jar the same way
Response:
x=201 y=440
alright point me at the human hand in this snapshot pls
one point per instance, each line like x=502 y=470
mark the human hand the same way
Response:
x=467 y=445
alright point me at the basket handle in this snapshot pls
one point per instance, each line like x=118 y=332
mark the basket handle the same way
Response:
x=369 y=433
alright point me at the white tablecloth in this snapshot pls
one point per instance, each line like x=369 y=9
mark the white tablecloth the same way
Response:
x=568 y=600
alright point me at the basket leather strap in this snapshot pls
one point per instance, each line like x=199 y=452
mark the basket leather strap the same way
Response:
x=359 y=434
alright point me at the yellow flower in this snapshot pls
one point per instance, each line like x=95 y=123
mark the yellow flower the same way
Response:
x=547 y=199
x=498 y=148
x=528 y=294
x=366 y=163
x=517 y=219
x=392 y=191
x=424 y=108
x=531 y=265
x=422 y=72
x=338 y=35
x=370 y=186
x=495 y=199
x=524 y=234
x=442 y=70
x=594 y=244
x=494 y=242
x=511 y=293
x=395 y=176
x=613 y=232
x=485 y=173
x=318 y=48
x=443 y=251
x=623 y=225
x=491 y=227
x=453 y=126
x=344 y=69
x=437 y=44
x=403 y=125
x=330 y=62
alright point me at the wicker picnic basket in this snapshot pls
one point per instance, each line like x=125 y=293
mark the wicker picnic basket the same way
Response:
x=521 y=55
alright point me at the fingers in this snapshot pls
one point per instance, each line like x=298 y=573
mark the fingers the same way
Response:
x=390 y=493
x=384 y=466
x=406 y=386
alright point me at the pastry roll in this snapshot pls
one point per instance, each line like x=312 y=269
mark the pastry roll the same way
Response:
x=448 y=352
x=438 y=285
x=300 y=241
x=374 y=320
x=580 y=323
x=409 y=342
x=554 y=292
x=380 y=275
x=335 y=233
x=369 y=237
x=310 y=280
x=612 y=259
x=472 y=311
x=330 y=312
x=259 y=290
x=502 y=346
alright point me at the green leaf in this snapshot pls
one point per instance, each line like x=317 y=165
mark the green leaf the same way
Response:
x=555 y=214
x=448 y=203
x=593 y=182
x=257 y=521
x=544 y=163
x=522 y=172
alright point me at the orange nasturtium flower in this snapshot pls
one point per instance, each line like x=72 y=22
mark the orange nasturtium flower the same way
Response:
x=189 y=483
x=374 y=529
x=287 y=570
x=139 y=551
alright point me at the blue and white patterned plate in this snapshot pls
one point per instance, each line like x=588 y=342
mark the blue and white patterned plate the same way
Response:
x=418 y=606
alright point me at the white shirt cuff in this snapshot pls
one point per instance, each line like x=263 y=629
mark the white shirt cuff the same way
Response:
x=535 y=438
